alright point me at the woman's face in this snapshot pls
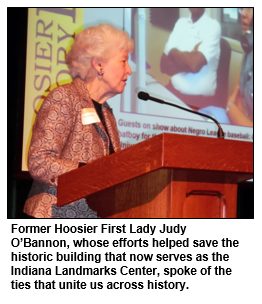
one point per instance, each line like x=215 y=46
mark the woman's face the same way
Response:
x=116 y=70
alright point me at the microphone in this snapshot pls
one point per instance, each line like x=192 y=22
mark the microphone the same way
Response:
x=145 y=96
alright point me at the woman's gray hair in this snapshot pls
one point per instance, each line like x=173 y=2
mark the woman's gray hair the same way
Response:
x=102 y=42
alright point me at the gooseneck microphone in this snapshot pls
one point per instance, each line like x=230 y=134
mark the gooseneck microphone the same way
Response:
x=146 y=96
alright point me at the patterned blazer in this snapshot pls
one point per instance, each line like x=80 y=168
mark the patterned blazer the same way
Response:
x=60 y=142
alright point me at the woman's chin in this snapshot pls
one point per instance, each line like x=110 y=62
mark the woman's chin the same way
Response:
x=122 y=88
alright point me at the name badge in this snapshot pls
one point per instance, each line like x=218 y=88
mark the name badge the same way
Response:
x=89 y=116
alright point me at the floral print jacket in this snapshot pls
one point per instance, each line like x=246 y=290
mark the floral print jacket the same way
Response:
x=60 y=142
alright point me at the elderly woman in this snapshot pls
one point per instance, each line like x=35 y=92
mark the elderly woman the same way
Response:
x=75 y=125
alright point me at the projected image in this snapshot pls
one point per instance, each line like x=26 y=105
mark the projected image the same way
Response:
x=187 y=56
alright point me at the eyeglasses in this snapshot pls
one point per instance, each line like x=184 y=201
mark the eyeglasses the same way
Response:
x=246 y=10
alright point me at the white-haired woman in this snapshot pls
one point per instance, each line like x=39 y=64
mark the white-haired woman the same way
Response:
x=64 y=137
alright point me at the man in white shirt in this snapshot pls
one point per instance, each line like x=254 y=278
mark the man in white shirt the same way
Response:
x=191 y=58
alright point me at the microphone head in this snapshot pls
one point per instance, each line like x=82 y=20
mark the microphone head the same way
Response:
x=143 y=95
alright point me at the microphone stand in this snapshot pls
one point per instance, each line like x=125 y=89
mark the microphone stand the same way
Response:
x=145 y=96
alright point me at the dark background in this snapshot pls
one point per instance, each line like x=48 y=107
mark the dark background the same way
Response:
x=18 y=183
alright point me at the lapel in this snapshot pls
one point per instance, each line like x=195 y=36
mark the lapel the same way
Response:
x=86 y=101
x=111 y=126
x=110 y=122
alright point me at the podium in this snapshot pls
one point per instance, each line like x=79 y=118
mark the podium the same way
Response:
x=166 y=176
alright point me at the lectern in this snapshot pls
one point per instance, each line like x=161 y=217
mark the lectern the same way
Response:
x=166 y=176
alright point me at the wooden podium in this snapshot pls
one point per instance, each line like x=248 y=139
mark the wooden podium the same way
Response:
x=167 y=176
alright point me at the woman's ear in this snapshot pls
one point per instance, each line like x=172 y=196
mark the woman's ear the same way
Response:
x=98 y=66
